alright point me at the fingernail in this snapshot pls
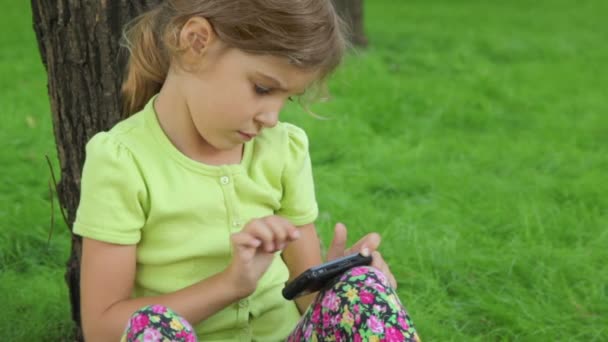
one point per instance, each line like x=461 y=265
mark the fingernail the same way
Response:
x=365 y=251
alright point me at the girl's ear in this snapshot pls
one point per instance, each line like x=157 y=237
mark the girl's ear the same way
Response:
x=196 y=36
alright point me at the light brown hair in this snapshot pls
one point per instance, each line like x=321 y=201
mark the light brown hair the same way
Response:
x=308 y=33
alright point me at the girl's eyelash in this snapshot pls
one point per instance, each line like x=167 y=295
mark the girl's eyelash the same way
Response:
x=265 y=91
x=261 y=90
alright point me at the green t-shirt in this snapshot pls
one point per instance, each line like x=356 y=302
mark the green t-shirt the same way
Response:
x=137 y=188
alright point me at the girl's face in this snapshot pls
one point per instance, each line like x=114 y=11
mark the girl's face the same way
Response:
x=235 y=96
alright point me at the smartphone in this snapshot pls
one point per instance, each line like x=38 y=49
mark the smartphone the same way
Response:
x=316 y=278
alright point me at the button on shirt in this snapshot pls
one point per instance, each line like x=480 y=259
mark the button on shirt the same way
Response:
x=137 y=188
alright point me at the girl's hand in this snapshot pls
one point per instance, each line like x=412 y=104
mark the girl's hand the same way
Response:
x=254 y=249
x=367 y=245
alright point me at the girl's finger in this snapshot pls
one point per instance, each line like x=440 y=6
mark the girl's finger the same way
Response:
x=338 y=243
x=291 y=231
x=371 y=241
x=245 y=244
x=243 y=239
x=260 y=230
x=280 y=230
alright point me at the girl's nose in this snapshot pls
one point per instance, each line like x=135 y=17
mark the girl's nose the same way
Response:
x=268 y=119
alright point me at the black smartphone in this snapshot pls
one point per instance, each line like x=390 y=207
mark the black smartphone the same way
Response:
x=316 y=278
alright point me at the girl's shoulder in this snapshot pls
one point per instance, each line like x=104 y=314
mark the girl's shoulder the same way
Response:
x=126 y=137
x=284 y=138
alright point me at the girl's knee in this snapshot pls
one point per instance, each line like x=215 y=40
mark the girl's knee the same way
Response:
x=369 y=275
x=155 y=322
x=155 y=309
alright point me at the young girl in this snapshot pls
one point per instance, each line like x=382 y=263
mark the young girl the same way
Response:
x=198 y=208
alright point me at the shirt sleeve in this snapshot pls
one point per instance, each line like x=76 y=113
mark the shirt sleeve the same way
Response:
x=298 y=203
x=112 y=193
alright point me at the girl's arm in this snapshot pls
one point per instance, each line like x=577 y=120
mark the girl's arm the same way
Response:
x=108 y=274
x=301 y=255
x=107 y=277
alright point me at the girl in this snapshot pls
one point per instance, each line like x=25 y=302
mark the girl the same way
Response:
x=200 y=206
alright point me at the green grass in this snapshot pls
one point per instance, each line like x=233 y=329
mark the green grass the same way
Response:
x=32 y=291
x=473 y=135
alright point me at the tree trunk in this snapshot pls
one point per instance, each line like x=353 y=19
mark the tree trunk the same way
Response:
x=78 y=42
x=352 y=12
x=79 y=46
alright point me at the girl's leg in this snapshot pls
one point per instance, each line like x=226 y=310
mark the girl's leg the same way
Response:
x=156 y=323
x=360 y=306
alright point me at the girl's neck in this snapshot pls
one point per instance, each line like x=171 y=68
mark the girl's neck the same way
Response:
x=175 y=120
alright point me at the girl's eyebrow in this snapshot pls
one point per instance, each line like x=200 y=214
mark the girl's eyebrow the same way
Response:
x=275 y=82
x=278 y=83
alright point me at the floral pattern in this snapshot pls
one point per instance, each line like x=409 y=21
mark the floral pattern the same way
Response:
x=157 y=323
x=360 y=306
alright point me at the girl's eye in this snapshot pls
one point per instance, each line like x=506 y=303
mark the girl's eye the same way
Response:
x=261 y=90
x=266 y=91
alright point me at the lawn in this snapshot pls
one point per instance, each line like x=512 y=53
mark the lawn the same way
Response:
x=472 y=135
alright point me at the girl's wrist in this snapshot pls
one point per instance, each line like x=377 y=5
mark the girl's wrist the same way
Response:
x=235 y=285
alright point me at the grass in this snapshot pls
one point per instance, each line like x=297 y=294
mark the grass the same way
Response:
x=473 y=135
x=32 y=292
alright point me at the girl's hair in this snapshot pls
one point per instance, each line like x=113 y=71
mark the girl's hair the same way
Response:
x=308 y=33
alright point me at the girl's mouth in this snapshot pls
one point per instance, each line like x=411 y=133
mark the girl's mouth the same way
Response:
x=246 y=136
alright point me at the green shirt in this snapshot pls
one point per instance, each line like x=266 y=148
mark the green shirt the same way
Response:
x=137 y=188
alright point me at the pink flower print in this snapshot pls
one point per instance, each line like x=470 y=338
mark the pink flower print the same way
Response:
x=393 y=334
x=186 y=335
x=369 y=281
x=357 y=337
x=191 y=338
x=327 y=319
x=186 y=324
x=335 y=320
x=366 y=297
x=403 y=323
x=357 y=271
x=139 y=322
x=379 y=308
x=151 y=334
x=308 y=332
x=375 y=325
x=316 y=314
x=380 y=288
x=331 y=301
x=159 y=309
x=381 y=277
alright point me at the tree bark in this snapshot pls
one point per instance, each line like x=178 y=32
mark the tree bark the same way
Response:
x=78 y=42
x=79 y=46
x=352 y=12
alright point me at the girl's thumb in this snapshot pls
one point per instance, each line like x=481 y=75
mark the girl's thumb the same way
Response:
x=338 y=244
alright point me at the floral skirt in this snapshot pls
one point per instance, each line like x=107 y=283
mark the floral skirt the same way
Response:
x=359 y=306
